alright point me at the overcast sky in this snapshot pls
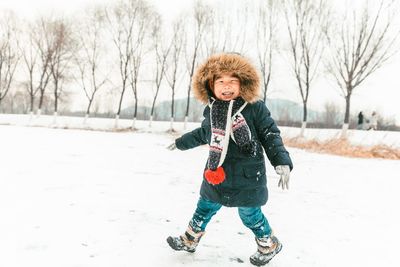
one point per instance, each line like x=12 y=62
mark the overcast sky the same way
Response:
x=31 y=8
x=380 y=92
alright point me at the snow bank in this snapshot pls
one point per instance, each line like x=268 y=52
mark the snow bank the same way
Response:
x=356 y=137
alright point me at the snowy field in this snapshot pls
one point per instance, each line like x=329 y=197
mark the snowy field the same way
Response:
x=72 y=198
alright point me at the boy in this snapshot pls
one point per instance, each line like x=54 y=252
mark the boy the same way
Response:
x=237 y=127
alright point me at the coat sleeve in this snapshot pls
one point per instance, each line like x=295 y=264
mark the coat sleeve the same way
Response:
x=269 y=136
x=198 y=136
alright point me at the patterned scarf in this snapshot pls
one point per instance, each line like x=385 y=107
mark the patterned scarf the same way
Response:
x=227 y=122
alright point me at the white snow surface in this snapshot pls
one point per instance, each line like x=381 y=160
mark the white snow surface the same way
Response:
x=110 y=199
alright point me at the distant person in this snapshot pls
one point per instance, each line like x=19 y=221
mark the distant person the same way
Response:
x=373 y=121
x=238 y=128
x=360 y=123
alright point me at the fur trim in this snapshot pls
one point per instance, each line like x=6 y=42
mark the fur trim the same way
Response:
x=227 y=63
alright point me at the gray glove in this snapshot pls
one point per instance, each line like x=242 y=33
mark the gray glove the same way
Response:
x=284 y=172
x=171 y=146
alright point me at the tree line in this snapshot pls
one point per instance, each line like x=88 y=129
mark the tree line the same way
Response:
x=121 y=49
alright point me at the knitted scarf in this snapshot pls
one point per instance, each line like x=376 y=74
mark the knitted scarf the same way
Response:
x=226 y=122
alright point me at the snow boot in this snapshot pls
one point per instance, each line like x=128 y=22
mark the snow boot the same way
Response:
x=267 y=248
x=187 y=242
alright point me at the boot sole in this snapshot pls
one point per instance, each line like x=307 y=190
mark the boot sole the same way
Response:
x=171 y=243
x=257 y=263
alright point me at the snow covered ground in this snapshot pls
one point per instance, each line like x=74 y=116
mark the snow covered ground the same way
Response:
x=88 y=198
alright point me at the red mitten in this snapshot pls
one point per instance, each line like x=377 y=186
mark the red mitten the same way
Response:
x=215 y=177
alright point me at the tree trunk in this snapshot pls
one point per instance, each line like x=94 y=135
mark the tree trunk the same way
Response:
x=31 y=103
x=265 y=92
x=152 y=111
x=135 y=112
x=120 y=103
x=116 y=121
x=173 y=106
x=88 y=107
x=185 y=123
x=134 y=124
x=39 y=111
x=30 y=117
x=304 y=123
x=55 y=102
x=121 y=97
x=85 y=119
x=171 y=126
x=55 y=118
x=345 y=126
x=303 y=128
x=187 y=105
x=304 y=111
x=172 y=110
x=189 y=89
x=347 y=113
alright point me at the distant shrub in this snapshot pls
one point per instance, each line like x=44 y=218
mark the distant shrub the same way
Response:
x=343 y=147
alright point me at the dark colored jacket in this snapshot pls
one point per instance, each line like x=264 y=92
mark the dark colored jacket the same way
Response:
x=360 y=118
x=245 y=184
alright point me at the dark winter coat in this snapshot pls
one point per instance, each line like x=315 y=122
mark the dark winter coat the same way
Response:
x=245 y=184
x=360 y=118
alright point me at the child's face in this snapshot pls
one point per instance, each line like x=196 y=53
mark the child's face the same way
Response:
x=226 y=87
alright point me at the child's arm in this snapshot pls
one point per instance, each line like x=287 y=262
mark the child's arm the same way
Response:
x=270 y=138
x=196 y=137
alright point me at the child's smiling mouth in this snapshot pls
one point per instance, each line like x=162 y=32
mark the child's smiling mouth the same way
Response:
x=227 y=93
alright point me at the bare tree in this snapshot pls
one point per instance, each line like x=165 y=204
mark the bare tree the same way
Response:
x=30 y=59
x=41 y=34
x=305 y=20
x=226 y=31
x=161 y=52
x=266 y=44
x=237 y=29
x=139 y=51
x=127 y=19
x=201 y=22
x=121 y=18
x=91 y=55
x=171 y=73
x=215 y=39
x=359 y=46
x=63 y=47
x=9 y=52
x=134 y=69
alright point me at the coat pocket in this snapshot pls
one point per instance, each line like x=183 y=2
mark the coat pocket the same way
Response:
x=250 y=176
x=254 y=172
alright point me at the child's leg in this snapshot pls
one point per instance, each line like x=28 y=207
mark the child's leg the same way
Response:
x=267 y=244
x=201 y=217
x=254 y=219
x=203 y=214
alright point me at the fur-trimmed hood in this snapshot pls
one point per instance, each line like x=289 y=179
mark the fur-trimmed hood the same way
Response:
x=227 y=63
